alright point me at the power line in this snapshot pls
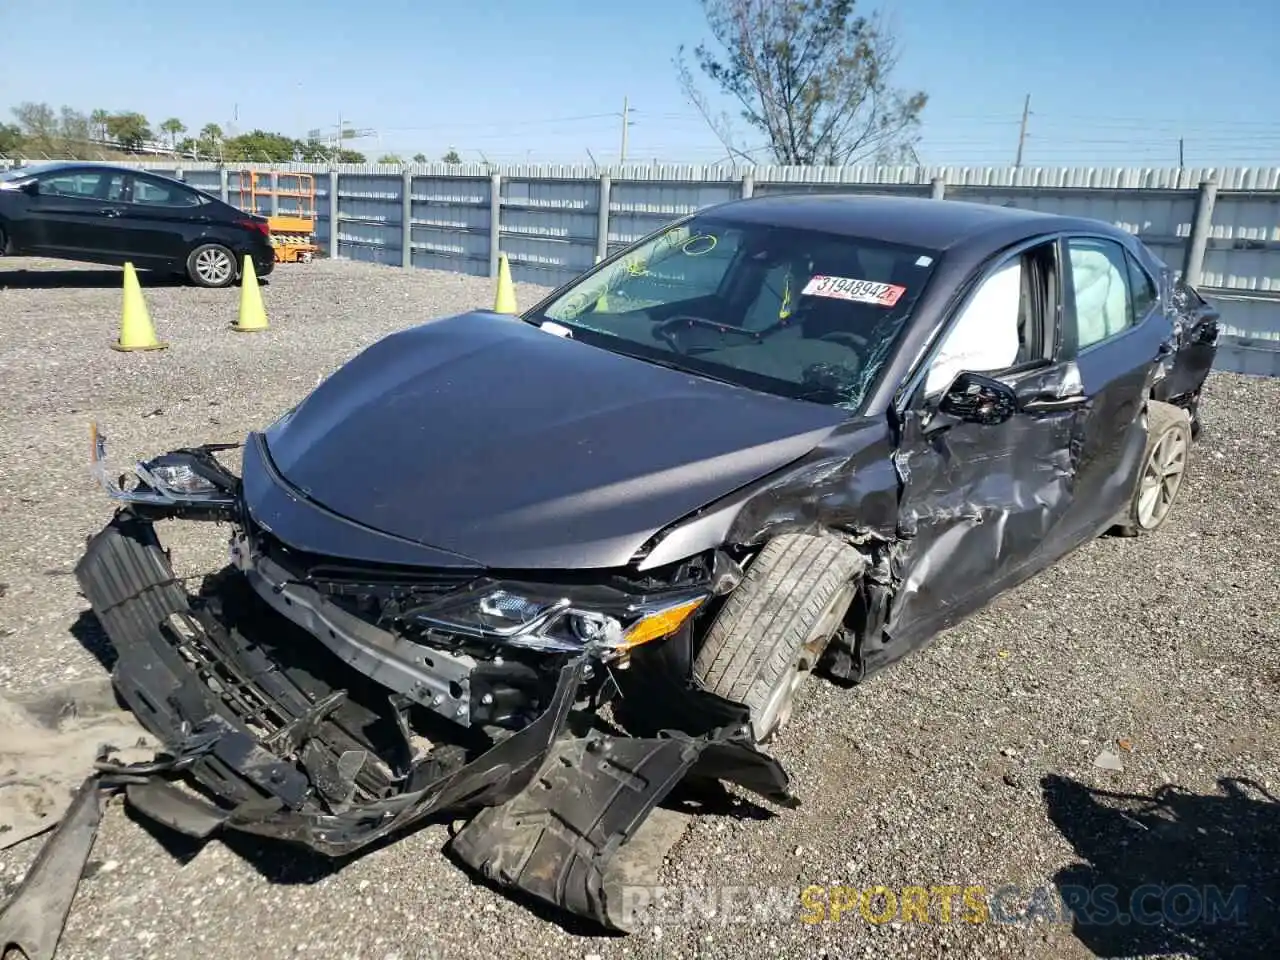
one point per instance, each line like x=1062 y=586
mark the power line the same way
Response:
x=502 y=124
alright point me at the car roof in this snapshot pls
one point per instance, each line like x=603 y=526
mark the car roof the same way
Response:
x=53 y=166
x=911 y=221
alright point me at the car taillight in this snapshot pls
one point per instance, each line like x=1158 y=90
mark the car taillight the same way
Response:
x=262 y=226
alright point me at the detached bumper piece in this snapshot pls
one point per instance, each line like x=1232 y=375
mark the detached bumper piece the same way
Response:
x=570 y=838
x=282 y=750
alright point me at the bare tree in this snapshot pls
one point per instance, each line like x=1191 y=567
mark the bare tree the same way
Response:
x=75 y=130
x=39 y=126
x=810 y=76
x=99 y=121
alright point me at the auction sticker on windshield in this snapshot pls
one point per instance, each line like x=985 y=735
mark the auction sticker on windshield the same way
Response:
x=859 y=291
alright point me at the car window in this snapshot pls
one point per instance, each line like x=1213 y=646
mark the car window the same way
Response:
x=1142 y=287
x=158 y=193
x=986 y=334
x=802 y=313
x=92 y=184
x=1100 y=281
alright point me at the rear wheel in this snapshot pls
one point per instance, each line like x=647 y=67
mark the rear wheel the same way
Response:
x=773 y=628
x=1164 y=465
x=211 y=265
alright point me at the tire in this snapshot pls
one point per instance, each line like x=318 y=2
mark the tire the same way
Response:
x=771 y=631
x=1169 y=440
x=212 y=265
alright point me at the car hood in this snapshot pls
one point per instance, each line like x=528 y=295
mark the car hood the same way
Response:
x=485 y=436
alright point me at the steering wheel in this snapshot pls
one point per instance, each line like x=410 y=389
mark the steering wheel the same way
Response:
x=664 y=331
x=855 y=341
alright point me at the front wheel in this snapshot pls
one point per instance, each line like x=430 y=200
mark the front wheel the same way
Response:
x=211 y=265
x=773 y=629
x=1164 y=464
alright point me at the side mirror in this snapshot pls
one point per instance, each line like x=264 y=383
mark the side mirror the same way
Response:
x=31 y=188
x=974 y=398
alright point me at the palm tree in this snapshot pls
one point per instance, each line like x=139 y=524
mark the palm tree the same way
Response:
x=209 y=142
x=174 y=128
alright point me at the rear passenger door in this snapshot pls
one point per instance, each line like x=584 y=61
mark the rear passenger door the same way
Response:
x=1115 y=332
x=161 y=218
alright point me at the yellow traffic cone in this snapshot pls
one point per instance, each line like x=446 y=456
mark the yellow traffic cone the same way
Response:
x=136 y=331
x=253 y=315
x=505 y=301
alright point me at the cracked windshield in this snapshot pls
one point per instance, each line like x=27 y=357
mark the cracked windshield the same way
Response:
x=797 y=312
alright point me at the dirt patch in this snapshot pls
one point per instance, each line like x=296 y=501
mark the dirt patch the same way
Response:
x=48 y=744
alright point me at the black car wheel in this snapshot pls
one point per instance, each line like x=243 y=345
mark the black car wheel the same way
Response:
x=772 y=630
x=1164 y=464
x=212 y=265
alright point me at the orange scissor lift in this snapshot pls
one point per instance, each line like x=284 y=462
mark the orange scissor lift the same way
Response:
x=293 y=225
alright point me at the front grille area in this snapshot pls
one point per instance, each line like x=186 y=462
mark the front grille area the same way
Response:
x=372 y=591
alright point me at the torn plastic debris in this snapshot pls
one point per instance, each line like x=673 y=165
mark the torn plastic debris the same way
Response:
x=33 y=919
x=272 y=760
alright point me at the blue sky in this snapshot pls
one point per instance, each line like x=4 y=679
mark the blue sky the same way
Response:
x=1112 y=82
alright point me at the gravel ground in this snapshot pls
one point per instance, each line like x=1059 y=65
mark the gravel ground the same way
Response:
x=971 y=763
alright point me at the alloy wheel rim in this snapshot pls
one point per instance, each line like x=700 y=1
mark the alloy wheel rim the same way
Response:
x=1161 y=478
x=214 y=266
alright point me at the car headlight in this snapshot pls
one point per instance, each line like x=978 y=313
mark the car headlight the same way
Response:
x=173 y=477
x=188 y=477
x=562 y=625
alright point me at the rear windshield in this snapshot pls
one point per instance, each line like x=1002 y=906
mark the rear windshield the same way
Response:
x=800 y=313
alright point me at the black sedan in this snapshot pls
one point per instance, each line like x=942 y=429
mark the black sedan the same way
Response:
x=97 y=213
x=781 y=435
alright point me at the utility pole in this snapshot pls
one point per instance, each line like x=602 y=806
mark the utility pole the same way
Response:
x=1022 y=133
x=622 y=157
x=1181 y=163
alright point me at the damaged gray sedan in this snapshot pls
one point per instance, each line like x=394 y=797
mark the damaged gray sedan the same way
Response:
x=544 y=573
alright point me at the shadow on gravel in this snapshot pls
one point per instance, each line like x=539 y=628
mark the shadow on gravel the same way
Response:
x=97 y=279
x=107 y=278
x=1171 y=873
x=88 y=632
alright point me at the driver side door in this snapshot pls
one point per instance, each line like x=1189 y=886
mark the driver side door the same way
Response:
x=985 y=498
x=74 y=213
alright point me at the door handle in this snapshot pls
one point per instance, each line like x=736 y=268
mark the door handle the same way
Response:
x=109 y=212
x=1054 y=404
